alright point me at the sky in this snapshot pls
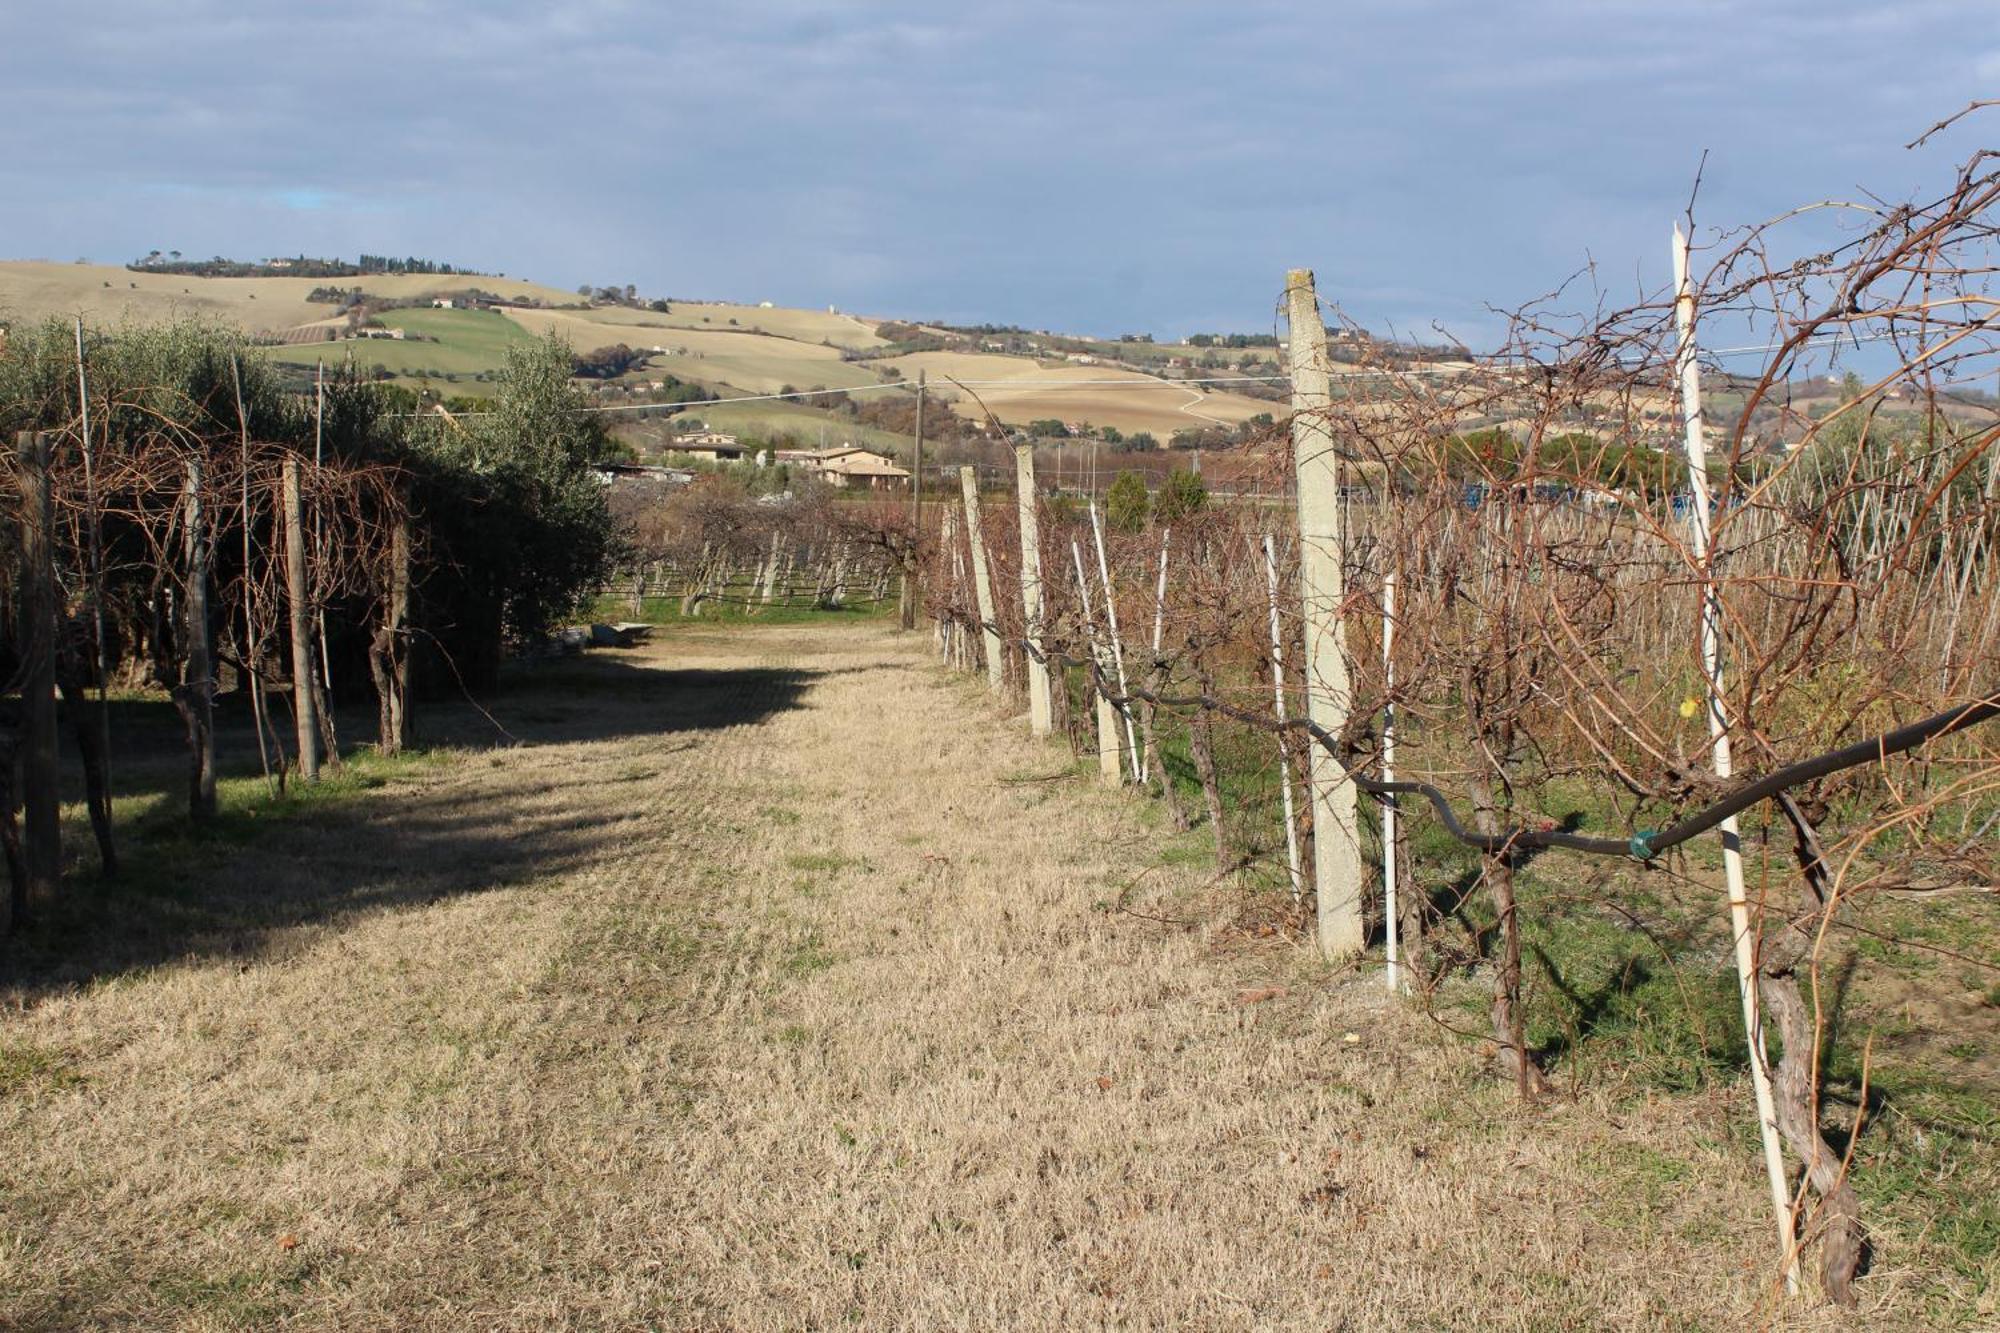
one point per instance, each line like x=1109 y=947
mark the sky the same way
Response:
x=1085 y=167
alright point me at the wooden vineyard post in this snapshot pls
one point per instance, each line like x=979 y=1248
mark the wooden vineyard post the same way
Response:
x=41 y=799
x=295 y=593
x=982 y=582
x=1322 y=589
x=389 y=654
x=198 y=681
x=1041 y=707
x=400 y=618
x=1688 y=373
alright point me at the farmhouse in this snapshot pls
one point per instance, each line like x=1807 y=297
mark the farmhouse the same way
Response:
x=713 y=445
x=848 y=465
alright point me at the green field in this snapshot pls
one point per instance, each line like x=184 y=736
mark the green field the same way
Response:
x=470 y=343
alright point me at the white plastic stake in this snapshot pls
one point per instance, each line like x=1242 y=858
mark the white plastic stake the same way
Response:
x=1117 y=649
x=982 y=584
x=1160 y=611
x=1278 y=701
x=1391 y=939
x=1688 y=371
x=1109 y=766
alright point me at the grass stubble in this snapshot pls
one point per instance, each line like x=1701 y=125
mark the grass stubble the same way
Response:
x=811 y=1020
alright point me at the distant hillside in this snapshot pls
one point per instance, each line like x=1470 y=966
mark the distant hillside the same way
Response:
x=385 y=322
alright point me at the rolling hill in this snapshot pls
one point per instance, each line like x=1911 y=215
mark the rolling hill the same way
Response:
x=727 y=348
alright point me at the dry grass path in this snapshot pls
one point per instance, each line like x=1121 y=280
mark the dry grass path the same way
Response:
x=747 y=997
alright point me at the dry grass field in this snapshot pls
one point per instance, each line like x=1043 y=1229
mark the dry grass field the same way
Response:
x=746 y=361
x=1148 y=405
x=808 y=326
x=107 y=295
x=778 y=982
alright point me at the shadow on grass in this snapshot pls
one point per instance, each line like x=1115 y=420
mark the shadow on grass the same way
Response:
x=375 y=835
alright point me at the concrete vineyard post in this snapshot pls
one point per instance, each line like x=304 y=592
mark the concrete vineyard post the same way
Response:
x=770 y=571
x=982 y=582
x=1322 y=590
x=301 y=619
x=1688 y=373
x=1041 y=706
x=1278 y=702
x=41 y=799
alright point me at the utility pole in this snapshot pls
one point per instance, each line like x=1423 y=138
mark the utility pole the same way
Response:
x=912 y=591
x=917 y=472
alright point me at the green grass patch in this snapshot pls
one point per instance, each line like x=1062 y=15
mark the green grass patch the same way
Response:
x=819 y=862
x=25 y=1067
x=738 y=608
x=462 y=348
x=807 y=957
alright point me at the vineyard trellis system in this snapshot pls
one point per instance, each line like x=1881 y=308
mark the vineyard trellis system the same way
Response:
x=1568 y=567
x=173 y=519
x=1596 y=580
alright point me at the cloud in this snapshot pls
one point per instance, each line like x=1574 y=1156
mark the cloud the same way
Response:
x=1123 y=165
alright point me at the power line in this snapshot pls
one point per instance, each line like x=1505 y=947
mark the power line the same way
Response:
x=1140 y=381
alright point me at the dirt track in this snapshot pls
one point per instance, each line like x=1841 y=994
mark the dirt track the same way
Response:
x=746 y=995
